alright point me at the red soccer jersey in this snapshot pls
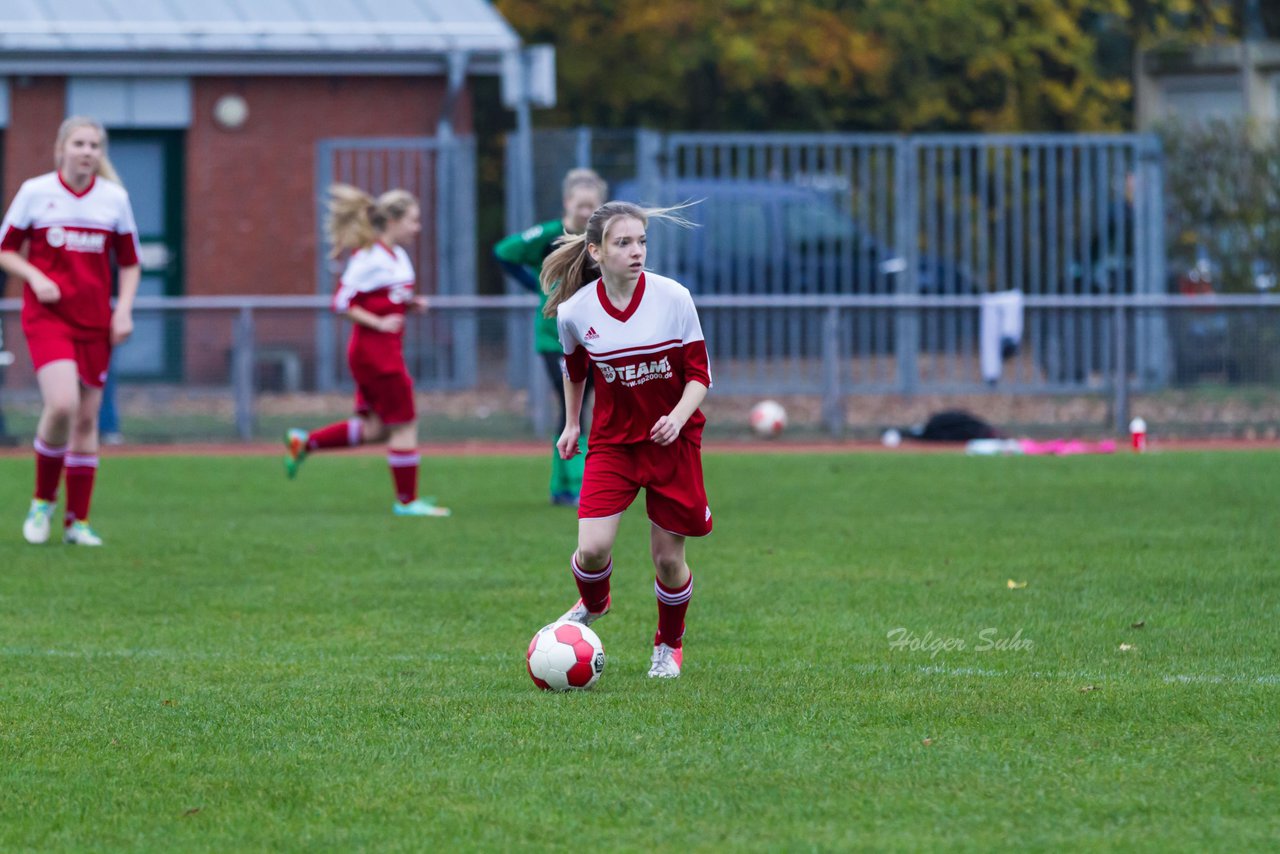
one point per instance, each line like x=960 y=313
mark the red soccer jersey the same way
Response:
x=378 y=279
x=71 y=236
x=643 y=357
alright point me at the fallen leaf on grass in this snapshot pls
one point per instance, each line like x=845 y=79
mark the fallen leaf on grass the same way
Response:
x=191 y=811
x=926 y=741
x=1138 y=624
x=1087 y=688
x=1016 y=585
x=168 y=703
x=1126 y=647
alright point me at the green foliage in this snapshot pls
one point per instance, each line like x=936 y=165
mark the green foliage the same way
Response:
x=252 y=664
x=1222 y=182
x=994 y=65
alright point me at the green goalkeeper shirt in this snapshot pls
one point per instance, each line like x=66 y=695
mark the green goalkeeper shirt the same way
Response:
x=528 y=249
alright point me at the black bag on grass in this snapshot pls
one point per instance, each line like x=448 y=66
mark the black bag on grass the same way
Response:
x=953 y=426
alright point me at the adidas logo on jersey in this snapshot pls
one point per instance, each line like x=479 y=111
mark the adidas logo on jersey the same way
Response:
x=591 y=334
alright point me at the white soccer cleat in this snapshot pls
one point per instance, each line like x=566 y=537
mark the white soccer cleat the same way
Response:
x=35 y=529
x=579 y=613
x=80 y=534
x=666 y=662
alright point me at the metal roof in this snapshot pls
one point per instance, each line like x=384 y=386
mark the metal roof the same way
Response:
x=262 y=36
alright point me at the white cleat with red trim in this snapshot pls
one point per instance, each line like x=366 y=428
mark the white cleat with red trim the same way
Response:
x=579 y=613
x=666 y=662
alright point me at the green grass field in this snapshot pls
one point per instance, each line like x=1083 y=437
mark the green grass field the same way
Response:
x=255 y=664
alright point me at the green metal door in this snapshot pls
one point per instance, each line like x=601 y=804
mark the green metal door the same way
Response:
x=150 y=164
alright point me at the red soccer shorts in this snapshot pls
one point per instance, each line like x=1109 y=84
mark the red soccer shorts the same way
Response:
x=675 y=498
x=92 y=357
x=389 y=396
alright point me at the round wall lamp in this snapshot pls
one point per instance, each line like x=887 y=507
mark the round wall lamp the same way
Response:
x=231 y=112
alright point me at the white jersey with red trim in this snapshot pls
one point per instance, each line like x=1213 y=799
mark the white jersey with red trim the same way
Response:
x=70 y=237
x=378 y=279
x=642 y=356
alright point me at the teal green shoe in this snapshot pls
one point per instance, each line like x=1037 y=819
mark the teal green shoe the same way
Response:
x=421 y=507
x=295 y=444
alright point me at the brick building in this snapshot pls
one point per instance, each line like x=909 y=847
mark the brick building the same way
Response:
x=216 y=119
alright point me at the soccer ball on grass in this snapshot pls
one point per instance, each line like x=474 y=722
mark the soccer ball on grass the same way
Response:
x=565 y=656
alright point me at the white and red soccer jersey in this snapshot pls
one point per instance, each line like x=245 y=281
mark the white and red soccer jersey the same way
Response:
x=71 y=236
x=642 y=357
x=378 y=279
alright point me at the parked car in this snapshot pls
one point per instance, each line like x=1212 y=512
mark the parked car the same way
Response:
x=774 y=237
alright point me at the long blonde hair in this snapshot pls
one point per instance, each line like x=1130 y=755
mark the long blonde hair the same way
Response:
x=356 y=219
x=569 y=267
x=73 y=123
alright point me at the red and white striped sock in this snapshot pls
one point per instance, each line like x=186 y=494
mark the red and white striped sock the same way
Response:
x=592 y=586
x=49 y=462
x=81 y=469
x=340 y=434
x=404 y=472
x=673 y=602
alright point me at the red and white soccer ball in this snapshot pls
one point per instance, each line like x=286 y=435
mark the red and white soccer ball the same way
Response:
x=565 y=656
x=768 y=418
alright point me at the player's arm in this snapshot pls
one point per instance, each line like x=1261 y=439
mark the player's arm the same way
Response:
x=122 y=316
x=521 y=274
x=15 y=265
x=378 y=322
x=667 y=428
x=129 y=274
x=576 y=366
x=574 y=392
x=14 y=232
x=697 y=377
x=519 y=255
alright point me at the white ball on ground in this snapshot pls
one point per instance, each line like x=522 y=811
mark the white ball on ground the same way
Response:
x=565 y=656
x=768 y=418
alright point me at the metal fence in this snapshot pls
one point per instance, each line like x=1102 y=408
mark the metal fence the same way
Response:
x=441 y=173
x=952 y=215
x=1221 y=370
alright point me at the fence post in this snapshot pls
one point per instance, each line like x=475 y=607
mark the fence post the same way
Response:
x=519 y=215
x=582 y=147
x=906 y=321
x=242 y=372
x=1151 y=334
x=832 y=393
x=1120 y=404
x=539 y=391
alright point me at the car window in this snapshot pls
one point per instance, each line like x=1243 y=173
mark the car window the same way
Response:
x=736 y=226
x=817 y=222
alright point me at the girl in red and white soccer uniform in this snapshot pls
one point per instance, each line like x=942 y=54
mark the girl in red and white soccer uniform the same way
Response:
x=375 y=291
x=69 y=222
x=639 y=334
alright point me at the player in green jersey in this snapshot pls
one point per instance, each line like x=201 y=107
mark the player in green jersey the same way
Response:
x=521 y=256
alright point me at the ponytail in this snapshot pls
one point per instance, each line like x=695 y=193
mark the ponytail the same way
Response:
x=569 y=267
x=356 y=219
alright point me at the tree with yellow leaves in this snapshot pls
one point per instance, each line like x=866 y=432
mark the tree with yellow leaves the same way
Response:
x=897 y=65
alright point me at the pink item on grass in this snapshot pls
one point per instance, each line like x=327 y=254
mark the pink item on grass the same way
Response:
x=1064 y=447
